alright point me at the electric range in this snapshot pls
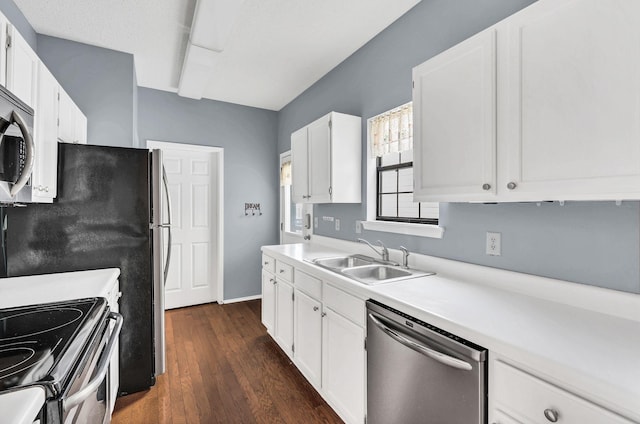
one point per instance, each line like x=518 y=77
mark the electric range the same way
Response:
x=64 y=347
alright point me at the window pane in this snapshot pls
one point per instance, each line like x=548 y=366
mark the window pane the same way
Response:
x=405 y=179
x=407 y=207
x=390 y=159
x=296 y=218
x=389 y=205
x=429 y=210
x=406 y=156
x=389 y=182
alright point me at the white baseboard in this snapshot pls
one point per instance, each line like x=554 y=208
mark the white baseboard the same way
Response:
x=241 y=299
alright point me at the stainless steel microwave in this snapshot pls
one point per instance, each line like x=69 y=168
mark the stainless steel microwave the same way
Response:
x=17 y=149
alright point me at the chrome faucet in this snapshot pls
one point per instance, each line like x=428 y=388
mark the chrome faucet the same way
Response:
x=383 y=252
x=405 y=257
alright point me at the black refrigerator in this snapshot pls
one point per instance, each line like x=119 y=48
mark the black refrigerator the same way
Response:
x=108 y=214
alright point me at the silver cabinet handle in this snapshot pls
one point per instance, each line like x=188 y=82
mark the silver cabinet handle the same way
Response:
x=266 y=263
x=315 y=308
x=324 y=314
x=30 y=154
x=433 y=354
x=486 y=187
x=551 y=415
x=101 y=369
x=165 y=182
x=511 y=185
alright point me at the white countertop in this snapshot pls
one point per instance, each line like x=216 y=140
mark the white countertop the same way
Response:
x=21 y=406
x=593 y=354
x=33 y=289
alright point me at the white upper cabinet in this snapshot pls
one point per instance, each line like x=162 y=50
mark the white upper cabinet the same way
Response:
x=72 y=124
x=454 y=105
x=45 y=172
x=541 y=106
x=326 y=160
x=571 y=95
x=22 y=67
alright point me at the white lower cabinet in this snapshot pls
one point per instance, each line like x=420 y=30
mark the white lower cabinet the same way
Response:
x=322 y=329
x=308 y=337
x=284 y=316
x=268 y=301
x=343 y=370
x=517 y=396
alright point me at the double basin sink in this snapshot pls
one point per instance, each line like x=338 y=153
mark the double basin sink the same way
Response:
x=367 y=270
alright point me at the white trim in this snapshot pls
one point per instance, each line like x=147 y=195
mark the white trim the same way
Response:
x=218 y=156
x=420 y=230
x=240 y=299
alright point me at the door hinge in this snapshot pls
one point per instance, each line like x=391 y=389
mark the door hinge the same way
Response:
x=330 y=190
x=8 y=39
x=282 y=226
x=365 y=418
x=58 y=122
x=413 y=84
x=365 y=343
x=330 y=124
x=293 y=348
x=58 y=96
x=293 y=296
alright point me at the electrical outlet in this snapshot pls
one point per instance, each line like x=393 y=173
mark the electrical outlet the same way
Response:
x=493 y=244
x=337 y=224
x=358 y=227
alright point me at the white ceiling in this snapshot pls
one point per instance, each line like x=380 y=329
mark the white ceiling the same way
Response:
x=276 y=49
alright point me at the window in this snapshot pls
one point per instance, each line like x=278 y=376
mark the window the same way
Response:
x=291 y=214
x=391 y=144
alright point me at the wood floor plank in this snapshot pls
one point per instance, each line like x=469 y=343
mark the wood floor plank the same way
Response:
x=222 y=367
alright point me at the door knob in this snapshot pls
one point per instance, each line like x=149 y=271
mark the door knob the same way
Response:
x=511 y=185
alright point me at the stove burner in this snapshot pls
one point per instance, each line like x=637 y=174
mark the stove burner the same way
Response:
x=12 y=357
x=31 y=323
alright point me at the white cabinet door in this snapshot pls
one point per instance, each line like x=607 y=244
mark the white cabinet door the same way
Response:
x=45 y=172
x=22 y=68
x=80 y=128
x=299 y=166
x=497 y=417
x=320 y=161
x=66 y=118
x=454 y=103
x=4 y=22
x=284 y=316
x=308 y=337
x=343 y=366
x=569 y=75
x=268 y=302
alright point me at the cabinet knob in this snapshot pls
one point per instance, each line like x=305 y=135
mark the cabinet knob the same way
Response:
x=315 y=308
x=266 y=263
x=511 y=185
x=551 y=415
x=46 y=189
x=486 y=186
x=275 y=282
x=282 y=271
x=324 y=314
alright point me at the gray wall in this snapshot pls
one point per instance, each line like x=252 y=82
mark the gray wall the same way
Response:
x=589 y=242
x=15 y=16
x=100 y=81
x=248 y=136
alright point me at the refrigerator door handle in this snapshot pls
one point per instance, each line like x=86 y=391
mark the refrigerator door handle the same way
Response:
x=167 y=225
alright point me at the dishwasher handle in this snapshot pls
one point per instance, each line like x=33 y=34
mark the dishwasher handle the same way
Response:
x=433 y=354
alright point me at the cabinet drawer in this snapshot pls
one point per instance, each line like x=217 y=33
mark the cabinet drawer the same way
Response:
x=308 y=284
x=526 y=398
x=268 y=264
x=284 y=271
x=345 y=304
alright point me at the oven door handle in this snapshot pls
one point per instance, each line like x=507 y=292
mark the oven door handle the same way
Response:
x=433 y=354
x=101 y=369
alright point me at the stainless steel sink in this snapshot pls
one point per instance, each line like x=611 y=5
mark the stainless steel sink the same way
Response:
x=343 y=261
x=367 y=270
x=376 y=272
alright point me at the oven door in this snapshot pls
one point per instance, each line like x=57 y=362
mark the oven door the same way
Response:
x=87 y=401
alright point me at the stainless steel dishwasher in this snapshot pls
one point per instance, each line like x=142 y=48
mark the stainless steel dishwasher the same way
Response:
x=417 y=373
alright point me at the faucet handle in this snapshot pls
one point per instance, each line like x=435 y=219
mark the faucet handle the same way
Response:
x=405 y=256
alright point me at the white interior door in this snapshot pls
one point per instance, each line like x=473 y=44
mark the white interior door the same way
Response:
x=193 y=174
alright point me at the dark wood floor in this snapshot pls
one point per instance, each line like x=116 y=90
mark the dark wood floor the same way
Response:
x=222 y=367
